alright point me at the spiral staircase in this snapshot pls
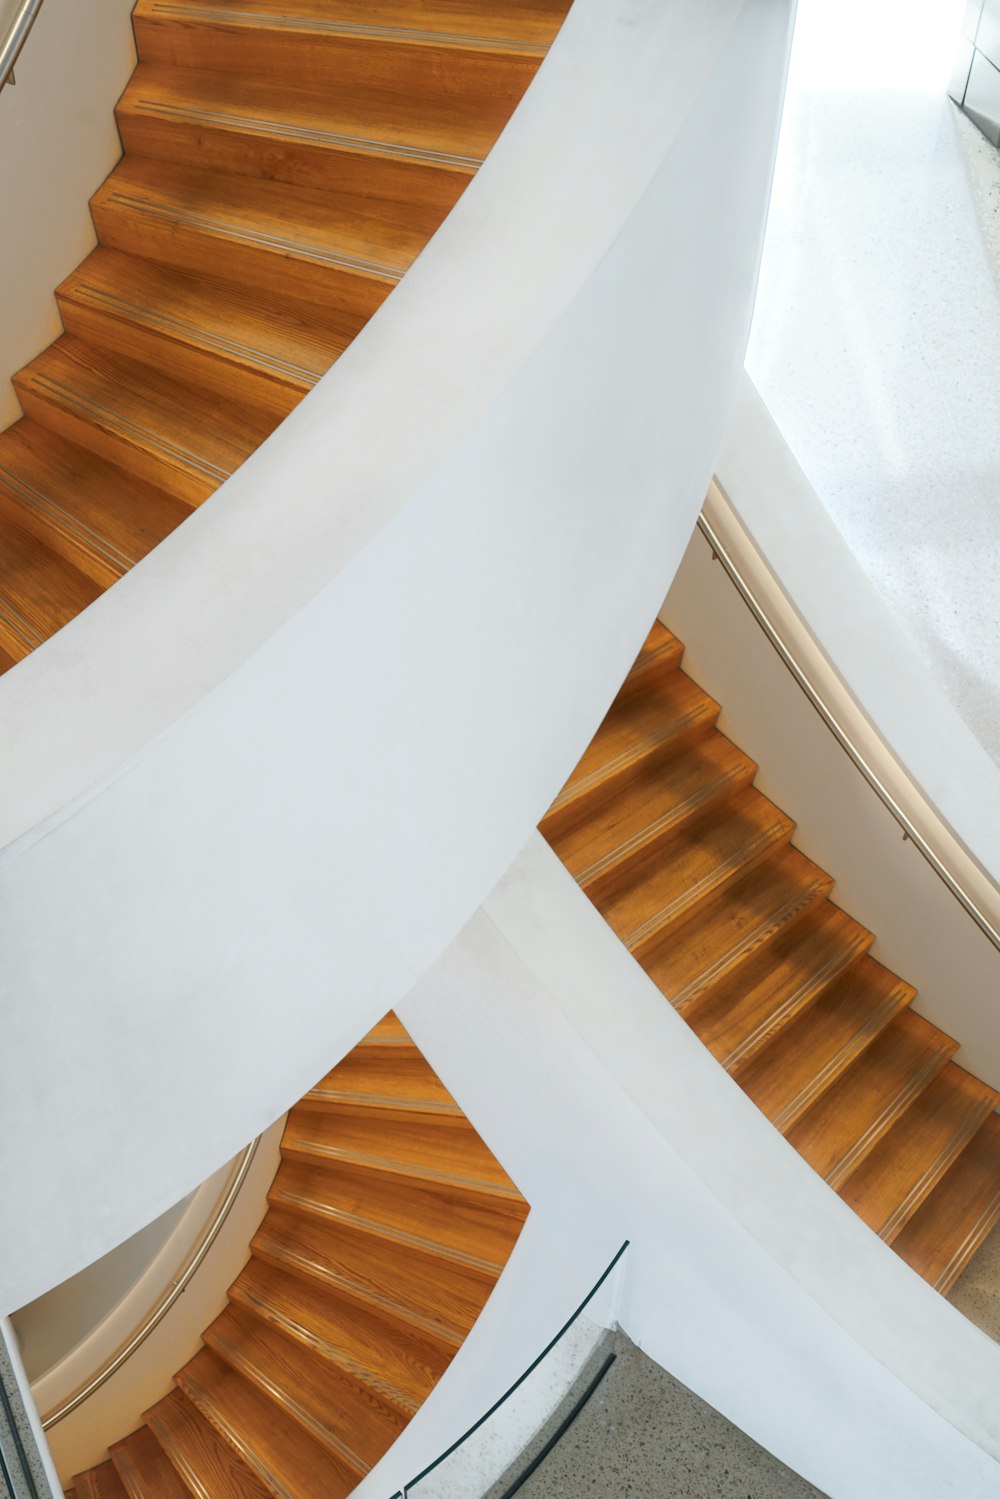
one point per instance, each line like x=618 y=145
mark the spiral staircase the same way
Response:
x=283 y=166
x=389 y=1222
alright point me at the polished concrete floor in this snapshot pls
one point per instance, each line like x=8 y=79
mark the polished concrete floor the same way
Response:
x=876 y=339
x=644 y=1434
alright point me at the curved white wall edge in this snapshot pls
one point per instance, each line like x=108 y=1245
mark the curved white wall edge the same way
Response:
x=539 y=1290
x=80 y=1438
x=58 y=141
x=748 y=1278
x=837 y=631
x=254 y=790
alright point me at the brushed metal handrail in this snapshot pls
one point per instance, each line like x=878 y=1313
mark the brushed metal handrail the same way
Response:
x=17 y=35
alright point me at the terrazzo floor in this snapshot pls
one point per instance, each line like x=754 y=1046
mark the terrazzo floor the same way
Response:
x=644 y=1434
x=876 y=336
x=976 y=1293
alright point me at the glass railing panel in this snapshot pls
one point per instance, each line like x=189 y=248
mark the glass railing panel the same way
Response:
x=490 y=1449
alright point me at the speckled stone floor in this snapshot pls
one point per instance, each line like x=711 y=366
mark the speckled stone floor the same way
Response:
x=644 y=1434
x=977 y=1292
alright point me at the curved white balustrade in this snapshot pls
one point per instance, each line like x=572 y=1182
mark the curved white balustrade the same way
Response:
x=257 y=787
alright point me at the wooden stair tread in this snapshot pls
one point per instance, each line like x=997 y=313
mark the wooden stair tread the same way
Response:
x=439 y=1296
x=697 y=861
x=447 y=1223
x=661 y=653
x=131 y=414
x=655 y=802
x=745 y=915
x=853 y=1114
x=352 y=1420
x=369 y=237
x=790 y=1075
x=284 y=1457
x=206 y=1464
x=658 y=720
x=529 y=25
x=397 y=1360
x=949 y=1226
x=739 y=1017
x=900 y=1172
x=389 y=1032
x=247 y=345
x=430 y=130
x=94 y=515
x=429 y=1148
x=39 y=591
x=394 y=1078
x=101 y=1482
x=145 y=1469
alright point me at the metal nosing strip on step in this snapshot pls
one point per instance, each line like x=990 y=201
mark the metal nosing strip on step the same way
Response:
x=659 y=825
x=176 y=215
x=36 y=500
x=277 y=128
x=254 y=1375
x=111 y=301
x=371 y=1297
x=313 y=1207
x=20 y=626
x=176 y=1456
x=400 y=1168
x=694 y=892
x=919 y=1190
x=328 y=1350
x=114 y=418
x=337 y=28
x=750 y=940
x=837 y=963
x=975 y=1235
x=229 y=1433
x=382 y=1101
x=808 y=1095
x=627 y=757
x=897 y=1105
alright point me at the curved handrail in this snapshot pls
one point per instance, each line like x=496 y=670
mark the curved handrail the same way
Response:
x=156 y=1313
x=892 y=783
x=17 y=34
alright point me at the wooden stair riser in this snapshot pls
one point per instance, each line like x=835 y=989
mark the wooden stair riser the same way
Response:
x=155 y=341
x=102 y=1482
x=397 y=1360
x=692 y=870
x=37 y=589
x=204 y=246
x=661 y=654
x=351 y=1420
x=285 y=1458
x=740 y=1019
x=438 y=1296
x=903 y=1169
x=443 y=1152
x=632 y=827
x=955 y=1219
x=73 y=519
x=224 y=140
x=449 y=1224
x=490 y=81
x=393 y=1079
x=145 y=1470
x=208 y=1466
x=604 y=772
x=710 y=949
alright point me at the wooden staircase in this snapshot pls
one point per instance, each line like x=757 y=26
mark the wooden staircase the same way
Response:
x=388 y=1224
x=693 y=868
x=284 y=165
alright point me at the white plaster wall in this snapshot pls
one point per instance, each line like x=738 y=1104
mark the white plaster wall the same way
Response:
x=316 y=724
x=747 y=1277
x=58 y=141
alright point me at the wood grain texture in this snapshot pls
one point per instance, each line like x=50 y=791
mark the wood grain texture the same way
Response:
x=207 y=1465
x=100 y=1483
x=738 y=931
x=145 y=1469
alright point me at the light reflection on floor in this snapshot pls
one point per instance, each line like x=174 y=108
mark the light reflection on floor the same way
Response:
x=876 y=340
